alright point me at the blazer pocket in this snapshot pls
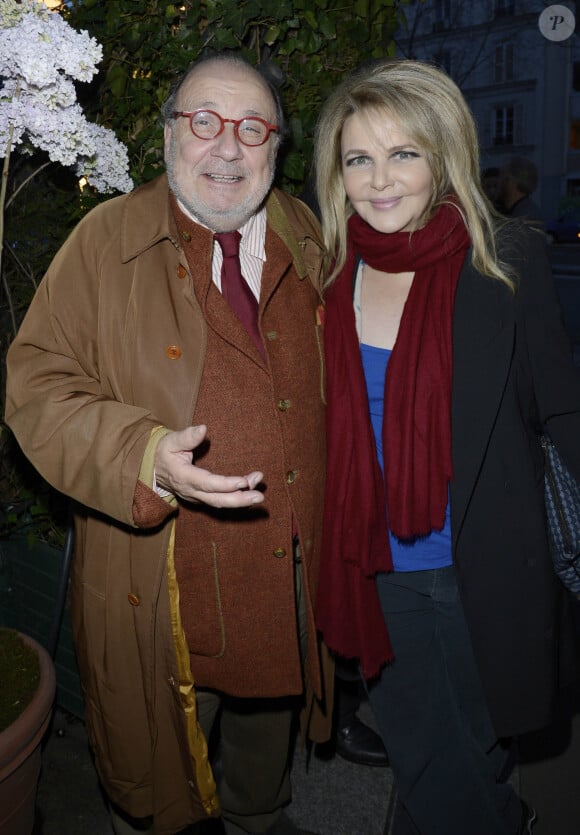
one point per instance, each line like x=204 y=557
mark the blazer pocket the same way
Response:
x=201 y=606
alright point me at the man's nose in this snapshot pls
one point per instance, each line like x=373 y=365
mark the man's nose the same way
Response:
x=227 y=145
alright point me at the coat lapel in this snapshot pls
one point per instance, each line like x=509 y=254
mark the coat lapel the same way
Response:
x=483 y=345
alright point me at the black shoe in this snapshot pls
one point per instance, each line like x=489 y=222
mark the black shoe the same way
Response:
x=529 y=819
x=358 y=743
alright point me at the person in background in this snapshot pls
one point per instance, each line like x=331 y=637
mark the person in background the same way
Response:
x=517 y=181
x=490 y=180
x=446 y=357
x=168 y=378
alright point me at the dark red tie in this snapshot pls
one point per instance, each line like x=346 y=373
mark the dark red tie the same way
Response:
x=235 y=289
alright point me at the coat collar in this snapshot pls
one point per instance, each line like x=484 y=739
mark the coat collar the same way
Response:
x=147 y=219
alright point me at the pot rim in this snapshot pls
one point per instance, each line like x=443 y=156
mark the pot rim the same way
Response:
x=21 y=737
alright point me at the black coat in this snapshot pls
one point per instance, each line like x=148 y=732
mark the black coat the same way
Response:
x=512 y=374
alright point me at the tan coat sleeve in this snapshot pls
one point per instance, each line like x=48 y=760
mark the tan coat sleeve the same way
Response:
x=65 y=402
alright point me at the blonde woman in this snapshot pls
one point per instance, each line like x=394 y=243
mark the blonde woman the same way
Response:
x=446 y=355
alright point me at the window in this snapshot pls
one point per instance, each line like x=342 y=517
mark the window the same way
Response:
x=503 y=8
x=575 y=134
x=442 y=9
x=576 y=76
x=442 y=15
x=504 y=62
x=503 y=133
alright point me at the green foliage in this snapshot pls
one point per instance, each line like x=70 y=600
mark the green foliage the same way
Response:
x=311 y=44
x=42 y=208
x=29 y=508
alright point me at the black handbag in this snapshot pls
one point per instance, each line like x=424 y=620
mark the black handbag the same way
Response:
x=562 y=497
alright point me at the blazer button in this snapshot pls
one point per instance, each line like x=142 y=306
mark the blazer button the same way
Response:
x=133 y=599
x=272 y=335
x=291 y=476
x=279 y=553
x=181 y=271
x=173 y=352
x=284 y=405
x=185 y=235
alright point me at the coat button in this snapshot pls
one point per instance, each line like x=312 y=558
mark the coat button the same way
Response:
x=284 y=405
x=181 y=271
x=272 y=335
x=279 y=553
x=291 y=476
x=133 y=599
x=173 y=352
x=185 y=235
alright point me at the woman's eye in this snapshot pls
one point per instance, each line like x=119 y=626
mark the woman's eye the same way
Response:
x=403 y=155
x=356 y=161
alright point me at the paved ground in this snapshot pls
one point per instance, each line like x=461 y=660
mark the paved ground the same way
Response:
x=331 y=796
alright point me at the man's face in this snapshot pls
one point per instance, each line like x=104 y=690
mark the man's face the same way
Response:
x=221 y=181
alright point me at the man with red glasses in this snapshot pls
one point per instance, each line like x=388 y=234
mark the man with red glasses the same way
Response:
x=168 y=377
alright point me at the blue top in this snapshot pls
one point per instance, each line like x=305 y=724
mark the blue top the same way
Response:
x=433 y=550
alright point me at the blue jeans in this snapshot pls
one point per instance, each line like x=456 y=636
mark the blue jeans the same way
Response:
x=449 y=767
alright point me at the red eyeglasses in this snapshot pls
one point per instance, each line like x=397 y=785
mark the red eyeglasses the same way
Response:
x=207 y=124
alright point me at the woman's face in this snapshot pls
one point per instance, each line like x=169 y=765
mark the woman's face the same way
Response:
x=386 y=175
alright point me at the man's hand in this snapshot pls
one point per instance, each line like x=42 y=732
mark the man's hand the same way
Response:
x=174 y=471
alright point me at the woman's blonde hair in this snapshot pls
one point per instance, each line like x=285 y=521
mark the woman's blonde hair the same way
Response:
x=431 y=109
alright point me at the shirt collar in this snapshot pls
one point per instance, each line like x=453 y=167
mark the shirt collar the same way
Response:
x=253 y=232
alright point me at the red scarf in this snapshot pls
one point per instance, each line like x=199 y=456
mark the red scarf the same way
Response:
x=416 y=429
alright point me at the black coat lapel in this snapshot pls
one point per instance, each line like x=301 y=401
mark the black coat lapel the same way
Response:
x=483 y=345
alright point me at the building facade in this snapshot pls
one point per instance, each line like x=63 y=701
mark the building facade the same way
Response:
x=522 y=86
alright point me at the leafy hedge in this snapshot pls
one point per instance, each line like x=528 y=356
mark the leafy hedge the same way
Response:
x=306 y=45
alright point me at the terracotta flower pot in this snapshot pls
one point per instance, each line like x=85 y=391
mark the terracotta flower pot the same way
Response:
x=20 y=752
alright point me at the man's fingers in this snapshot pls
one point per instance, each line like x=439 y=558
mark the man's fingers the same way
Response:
x=240 y=498
x=224 y=491
x=208 y=482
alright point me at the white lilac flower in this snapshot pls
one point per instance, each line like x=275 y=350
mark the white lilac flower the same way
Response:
x=107 y=170
x=40 y=58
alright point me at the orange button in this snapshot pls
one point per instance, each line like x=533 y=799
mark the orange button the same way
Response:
x=173 y=352
x=181 y=271
x=133 y=599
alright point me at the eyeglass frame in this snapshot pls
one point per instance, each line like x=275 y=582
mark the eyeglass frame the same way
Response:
x=235 y=122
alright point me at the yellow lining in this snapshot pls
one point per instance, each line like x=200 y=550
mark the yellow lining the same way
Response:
x=147 y=469
x=196 y=740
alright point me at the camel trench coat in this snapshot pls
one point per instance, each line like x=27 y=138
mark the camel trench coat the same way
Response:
x=112 y=348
